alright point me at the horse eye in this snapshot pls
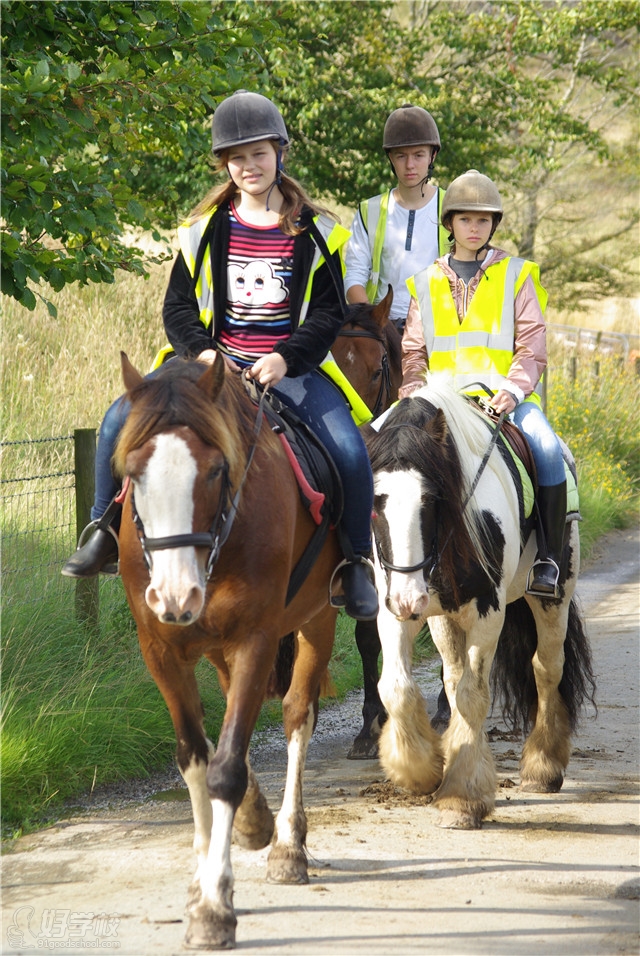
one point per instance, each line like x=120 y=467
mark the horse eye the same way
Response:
x=376 y=375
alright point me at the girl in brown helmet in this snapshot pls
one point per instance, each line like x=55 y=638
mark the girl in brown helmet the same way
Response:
x=477 y=314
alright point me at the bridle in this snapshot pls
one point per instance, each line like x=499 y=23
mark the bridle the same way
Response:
x=434 y=555
x=431 y=560
x=223 y=520
x=384 y=393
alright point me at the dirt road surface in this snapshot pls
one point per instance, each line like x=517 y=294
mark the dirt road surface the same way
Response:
x=548 y=874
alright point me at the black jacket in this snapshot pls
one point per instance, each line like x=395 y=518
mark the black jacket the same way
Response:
x=309 y=342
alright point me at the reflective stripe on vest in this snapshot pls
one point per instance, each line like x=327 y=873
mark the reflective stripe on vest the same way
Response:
x=374 y=213
x=480 y=348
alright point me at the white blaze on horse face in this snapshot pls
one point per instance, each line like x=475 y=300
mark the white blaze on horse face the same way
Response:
x=407 y=595
x=164 y=501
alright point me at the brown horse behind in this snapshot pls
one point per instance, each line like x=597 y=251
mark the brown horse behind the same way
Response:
x=212 y=528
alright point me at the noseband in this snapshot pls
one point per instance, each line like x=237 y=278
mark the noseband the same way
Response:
x=431 y=560
x=212 y=539
x=384 y=394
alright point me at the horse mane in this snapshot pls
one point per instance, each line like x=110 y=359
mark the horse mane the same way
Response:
x=467 y=427
x=173 y=398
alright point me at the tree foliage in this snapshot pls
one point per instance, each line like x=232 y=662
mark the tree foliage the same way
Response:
x=88 y=87
x=106 y=117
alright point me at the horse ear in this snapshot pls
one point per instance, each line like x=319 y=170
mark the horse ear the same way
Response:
x=380 y=312
x=130 y=376
x=211 y=380
x=438 y=428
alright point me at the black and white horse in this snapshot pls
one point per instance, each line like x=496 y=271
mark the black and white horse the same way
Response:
x=459 y=556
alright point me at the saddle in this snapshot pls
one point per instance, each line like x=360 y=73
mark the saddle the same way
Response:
x=318 y=479
x=516 y=452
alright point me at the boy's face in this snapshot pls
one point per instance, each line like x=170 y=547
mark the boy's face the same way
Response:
x=411 y=163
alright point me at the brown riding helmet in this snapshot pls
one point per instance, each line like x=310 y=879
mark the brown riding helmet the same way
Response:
x=410 y=126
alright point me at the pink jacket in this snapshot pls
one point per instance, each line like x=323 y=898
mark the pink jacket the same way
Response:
x=530 y=346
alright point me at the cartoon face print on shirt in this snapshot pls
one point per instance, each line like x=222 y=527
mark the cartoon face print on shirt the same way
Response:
x=255 y=284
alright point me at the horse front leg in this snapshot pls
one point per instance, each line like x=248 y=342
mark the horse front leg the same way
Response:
x=287 y=861
x=212 y=919
x=410 y=749
x=467 y=792
x=365 y=745
x=176 y=682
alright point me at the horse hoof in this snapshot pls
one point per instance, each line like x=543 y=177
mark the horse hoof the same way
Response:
x=456 y=820
x=287 y=866
x=542 y=786
x=441 y=721
x=211 y=931
x=364 y=748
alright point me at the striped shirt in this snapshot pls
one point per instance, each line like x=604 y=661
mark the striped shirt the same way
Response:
x=259 y=267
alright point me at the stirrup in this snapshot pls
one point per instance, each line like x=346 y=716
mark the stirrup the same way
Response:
x=339 y=600
x=543 y=594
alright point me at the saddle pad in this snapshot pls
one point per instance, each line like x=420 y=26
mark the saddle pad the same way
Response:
x=318 y=478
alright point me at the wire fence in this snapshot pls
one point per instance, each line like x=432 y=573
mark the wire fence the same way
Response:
x=37 y=489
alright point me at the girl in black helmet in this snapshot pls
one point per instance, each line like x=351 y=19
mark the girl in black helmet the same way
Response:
x=254 y=280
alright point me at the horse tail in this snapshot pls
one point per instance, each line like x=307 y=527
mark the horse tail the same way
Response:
x=282 y=671
x=578 y=684
x=512 y=677
x=280 y=677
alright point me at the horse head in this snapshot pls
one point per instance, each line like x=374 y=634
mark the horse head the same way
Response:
x=179 y=460
x=368 y=350
x=405 y=504
x=421 y=524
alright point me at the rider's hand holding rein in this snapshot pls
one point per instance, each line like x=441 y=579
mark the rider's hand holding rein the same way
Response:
x=503 y=401
x=268 y=370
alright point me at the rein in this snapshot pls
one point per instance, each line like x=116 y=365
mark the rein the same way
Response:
x=222 y=523
x=384 y=393
x=435 y=554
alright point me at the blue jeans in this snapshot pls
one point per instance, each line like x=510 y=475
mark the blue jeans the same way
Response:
x=545 y=447
x=321 y=406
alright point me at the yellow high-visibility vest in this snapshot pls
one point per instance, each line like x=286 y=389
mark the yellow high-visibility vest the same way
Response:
x=374 y=216
x=481 y=347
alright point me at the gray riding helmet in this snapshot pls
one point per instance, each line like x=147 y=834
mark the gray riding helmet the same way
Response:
x=246 y=117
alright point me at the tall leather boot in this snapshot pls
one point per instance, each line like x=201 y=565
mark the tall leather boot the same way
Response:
x=543 y=577
x=100 y=553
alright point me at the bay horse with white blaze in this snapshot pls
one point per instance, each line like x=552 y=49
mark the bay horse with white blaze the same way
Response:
x=453 y=546
x=212 y=526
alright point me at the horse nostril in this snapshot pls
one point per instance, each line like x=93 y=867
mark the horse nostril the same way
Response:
x=169 y=618
x=186 y=617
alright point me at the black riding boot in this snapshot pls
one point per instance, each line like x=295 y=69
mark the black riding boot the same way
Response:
x=360 y=595
x=552 y=513
x=100 y=553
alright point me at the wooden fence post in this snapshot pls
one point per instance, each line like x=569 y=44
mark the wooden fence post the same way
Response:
x=87 y=589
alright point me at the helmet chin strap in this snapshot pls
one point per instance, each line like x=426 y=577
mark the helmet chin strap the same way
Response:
x=279 y=171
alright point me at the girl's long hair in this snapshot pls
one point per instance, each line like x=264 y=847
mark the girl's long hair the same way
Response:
x=293 y=193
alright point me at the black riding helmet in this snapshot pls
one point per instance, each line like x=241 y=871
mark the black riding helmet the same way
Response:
x=246 y=117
